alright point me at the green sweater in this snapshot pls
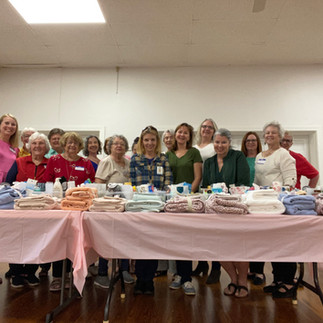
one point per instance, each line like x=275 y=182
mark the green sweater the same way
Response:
x=235 y=170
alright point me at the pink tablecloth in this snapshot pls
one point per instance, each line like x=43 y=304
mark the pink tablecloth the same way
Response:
x=41 y=236
x=204 y=236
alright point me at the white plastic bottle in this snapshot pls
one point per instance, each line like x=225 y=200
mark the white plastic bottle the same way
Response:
x=58 y=189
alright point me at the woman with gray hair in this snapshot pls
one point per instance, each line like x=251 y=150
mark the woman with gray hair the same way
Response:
x=24 y=137
x=113 y=169
x=168 y=138
x=231 y=167
x=271 y=165
x=32 y=166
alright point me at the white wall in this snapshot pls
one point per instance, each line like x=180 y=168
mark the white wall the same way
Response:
x=238 y=98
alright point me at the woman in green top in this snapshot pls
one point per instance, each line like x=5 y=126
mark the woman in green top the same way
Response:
x=229 y=166
x=186 y=165
x=251 y=147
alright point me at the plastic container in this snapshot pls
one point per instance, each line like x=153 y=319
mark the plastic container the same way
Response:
x=58 y=189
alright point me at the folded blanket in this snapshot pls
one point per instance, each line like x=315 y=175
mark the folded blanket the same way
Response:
x=297 y=199
x=68 y=204
x=299 y=210
x=319 y=204
x=216 y=204
x=108 y=204
x=7 y=197
x=269 y=194
x=146 y=197
x=144 y=206
x=39 y=202
x=82 y=192
x=180 y=204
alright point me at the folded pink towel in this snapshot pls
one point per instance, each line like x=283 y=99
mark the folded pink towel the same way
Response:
x=216 y=204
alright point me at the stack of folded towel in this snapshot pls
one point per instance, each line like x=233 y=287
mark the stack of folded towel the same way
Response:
x=79 y=198
x=182 y=204
x=39 y=202
x=145 y=203
x=298 y=204
x=263 y=201
x=319 y=204
x=108 y=204
x=225 y=204
x=8 y=195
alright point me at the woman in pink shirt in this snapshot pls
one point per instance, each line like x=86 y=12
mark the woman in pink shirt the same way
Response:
x=8 y=143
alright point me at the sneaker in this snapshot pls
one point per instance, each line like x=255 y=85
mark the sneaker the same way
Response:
x=214 y=277
x=149 y=287
x=32 y=280
x=139 y=287
x=17 y=282
x=43 y=273
x=176 y=283
x=93 y=270
x=102 y=281
x=189 y=288
x=127 y=278
x=8 y=274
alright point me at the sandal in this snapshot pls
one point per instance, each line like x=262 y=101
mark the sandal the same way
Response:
x=55 y=285
x=285 y=292
x=238 y=292
x=228 y=291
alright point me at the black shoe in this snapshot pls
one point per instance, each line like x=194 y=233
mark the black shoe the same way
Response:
x=139 y=287
x=17 y=282
x=149 y=287
x=287 y=293
x=271 y=288
x=8 y=274
x=201 y=268
x=214 y=277
x=259 y=280
x=32 y=280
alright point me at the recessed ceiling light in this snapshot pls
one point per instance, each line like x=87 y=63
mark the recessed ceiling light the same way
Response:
x=59 y=11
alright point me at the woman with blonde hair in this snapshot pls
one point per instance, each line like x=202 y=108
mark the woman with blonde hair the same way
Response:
x=8 y=143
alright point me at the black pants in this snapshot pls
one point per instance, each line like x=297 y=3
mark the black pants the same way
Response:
x=184 y=269
x=21 y=269
x=145 y=269
x=58 y=268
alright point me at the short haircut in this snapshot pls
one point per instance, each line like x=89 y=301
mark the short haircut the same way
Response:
x=276 y=125
x=35 y=136
x=14 y=139
x=170 y=131
x=190 y=129
x=148 y=130
x=27 y=130
x=112 y=138
x=244 y=140
x=198 y=132
x=86 y=150
x=73 y=136
x=223 y=132
x=55 y=131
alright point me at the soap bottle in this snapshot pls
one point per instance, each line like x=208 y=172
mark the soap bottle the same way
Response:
x=58 y=189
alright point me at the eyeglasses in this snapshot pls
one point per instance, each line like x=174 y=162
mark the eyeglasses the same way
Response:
x=118 y=144
x=149 y=129
x=207 y=127
x=251 y=140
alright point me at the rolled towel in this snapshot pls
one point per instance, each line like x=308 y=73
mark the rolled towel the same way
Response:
x=180 y=204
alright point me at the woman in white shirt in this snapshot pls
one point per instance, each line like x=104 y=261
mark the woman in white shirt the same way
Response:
x=276 y=164
x=204 y=143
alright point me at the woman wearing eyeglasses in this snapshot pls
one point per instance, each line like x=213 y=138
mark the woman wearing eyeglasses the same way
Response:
x=204 y=140
x=113 y=169
x=186 y=165
x=251 y=147
x=149 y=166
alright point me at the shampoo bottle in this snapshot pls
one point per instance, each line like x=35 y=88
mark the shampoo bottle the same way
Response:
x=58 y=189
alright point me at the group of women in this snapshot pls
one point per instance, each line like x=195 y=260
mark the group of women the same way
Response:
x=211 y=160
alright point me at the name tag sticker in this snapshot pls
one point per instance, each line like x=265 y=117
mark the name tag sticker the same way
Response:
x=261 y=161
x=160 y=170
x=79 y=168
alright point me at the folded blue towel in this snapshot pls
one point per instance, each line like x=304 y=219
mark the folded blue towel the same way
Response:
x=298 y=199
x=8 y=195
x=299 y=210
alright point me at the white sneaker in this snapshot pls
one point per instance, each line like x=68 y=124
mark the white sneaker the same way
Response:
x=176 y=283
x=189 y=288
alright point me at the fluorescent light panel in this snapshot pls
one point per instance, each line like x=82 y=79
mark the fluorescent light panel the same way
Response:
x=59 y=11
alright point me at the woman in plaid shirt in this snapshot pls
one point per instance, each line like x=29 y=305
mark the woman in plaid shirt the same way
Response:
x=149 y=166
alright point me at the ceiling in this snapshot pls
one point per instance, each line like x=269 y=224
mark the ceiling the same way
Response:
x=146 y=33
